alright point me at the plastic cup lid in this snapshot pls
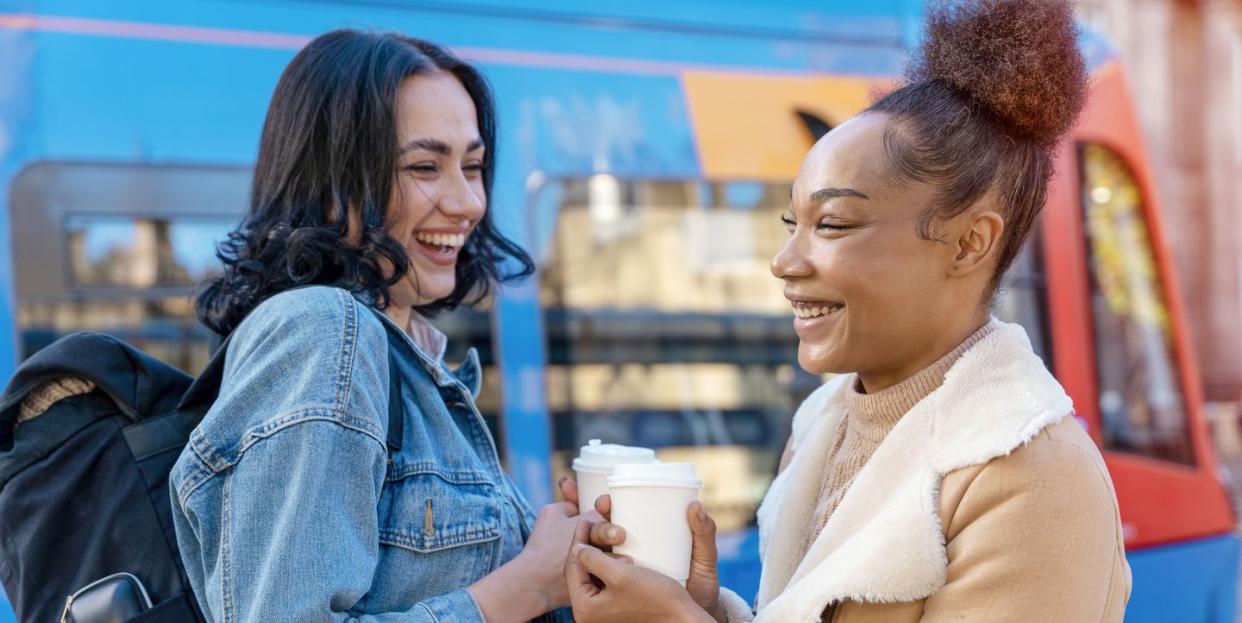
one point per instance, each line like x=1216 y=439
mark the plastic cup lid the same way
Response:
x=602 y=457
x=654 y=475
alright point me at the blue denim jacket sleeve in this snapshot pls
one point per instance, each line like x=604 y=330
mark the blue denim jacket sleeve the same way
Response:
x=276 y=496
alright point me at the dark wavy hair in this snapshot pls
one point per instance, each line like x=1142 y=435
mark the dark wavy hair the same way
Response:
x=329 y=146
x=995 y=86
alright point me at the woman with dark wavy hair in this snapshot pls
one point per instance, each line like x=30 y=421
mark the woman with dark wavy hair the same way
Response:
x=297 y=498
x=941 y=476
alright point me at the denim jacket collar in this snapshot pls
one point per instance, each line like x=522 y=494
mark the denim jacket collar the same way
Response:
x=468 y=374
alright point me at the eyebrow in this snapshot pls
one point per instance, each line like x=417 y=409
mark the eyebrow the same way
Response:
x=824 y=194
x=438 y=146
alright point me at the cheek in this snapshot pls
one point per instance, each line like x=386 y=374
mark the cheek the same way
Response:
x=898 y=283
x=849 y=268
x=885 y=284
x=410 y=205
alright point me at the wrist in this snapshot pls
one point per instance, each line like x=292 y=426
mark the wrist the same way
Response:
x=503 y=595
x=696 y=613
x=530 y=597
x=537 y=598
x=712 y=603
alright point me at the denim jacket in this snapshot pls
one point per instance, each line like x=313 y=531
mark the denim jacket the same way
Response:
x=289 y=504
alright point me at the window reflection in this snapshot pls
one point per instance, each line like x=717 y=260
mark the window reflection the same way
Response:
x=666 y=329
x=128 y=276
x=1023 y=296
x=122 y=251
x=1142 y=409
x=162 y=326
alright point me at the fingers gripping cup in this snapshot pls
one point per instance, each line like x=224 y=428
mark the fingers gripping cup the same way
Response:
x=595 y=463
x=650 y=501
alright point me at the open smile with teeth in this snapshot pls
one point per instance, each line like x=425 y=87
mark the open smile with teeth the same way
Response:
x=445 y=243
x=815 y=309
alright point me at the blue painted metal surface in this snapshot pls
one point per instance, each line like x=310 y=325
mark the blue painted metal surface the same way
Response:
x=1193 y=581
x=16 y=112
x=739 y=567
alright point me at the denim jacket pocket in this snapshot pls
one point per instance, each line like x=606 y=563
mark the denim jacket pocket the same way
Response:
x=432 y=510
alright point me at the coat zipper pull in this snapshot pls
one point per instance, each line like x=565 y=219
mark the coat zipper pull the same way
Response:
x=429 y=526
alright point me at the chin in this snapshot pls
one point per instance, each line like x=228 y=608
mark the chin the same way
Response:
x=812 y=364
x=439 y=291
x=820 y=360
x=431 y=291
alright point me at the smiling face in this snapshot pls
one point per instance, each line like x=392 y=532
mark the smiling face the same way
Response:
x=438 y=197
x=869 y=293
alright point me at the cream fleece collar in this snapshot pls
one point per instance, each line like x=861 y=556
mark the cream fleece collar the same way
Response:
x=884 y=542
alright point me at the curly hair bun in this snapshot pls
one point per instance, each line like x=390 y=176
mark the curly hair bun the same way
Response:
x=1018 y=58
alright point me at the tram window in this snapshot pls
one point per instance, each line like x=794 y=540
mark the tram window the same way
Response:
x=120 y=248
x=1142 y=408
x=666 y=329
x=133 y=277
x=1022 y=298
x=121 y=251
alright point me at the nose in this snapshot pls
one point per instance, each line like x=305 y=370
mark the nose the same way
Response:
x=462 y=199
x=791 y=261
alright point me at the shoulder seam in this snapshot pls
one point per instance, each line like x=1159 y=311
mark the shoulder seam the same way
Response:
x=349 y=340
x=965 y=492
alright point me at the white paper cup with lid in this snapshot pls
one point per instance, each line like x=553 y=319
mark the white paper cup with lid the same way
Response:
x=650 y=501
x=595 y=464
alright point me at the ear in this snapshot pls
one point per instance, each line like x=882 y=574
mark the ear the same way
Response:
x=978 y=240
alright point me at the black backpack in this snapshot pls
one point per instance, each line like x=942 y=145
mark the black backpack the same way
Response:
x=85 y=509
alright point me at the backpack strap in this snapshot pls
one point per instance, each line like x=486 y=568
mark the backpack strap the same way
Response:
x=396 y=413
x=396 y=419
x=160 y=434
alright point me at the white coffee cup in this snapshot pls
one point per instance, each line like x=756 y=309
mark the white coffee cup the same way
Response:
x=650 y=501
x=595 y=463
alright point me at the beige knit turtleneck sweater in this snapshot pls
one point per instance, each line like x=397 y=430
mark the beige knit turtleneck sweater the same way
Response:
x=868 y=419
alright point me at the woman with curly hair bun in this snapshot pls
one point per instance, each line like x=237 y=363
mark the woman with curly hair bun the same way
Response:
x=344 y=473
x=941 y=476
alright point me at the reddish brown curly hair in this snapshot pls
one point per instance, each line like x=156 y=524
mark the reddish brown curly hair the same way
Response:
x=994 y=87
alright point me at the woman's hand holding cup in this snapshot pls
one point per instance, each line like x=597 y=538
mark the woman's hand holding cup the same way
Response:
x=604 y=588
x=703 y=584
